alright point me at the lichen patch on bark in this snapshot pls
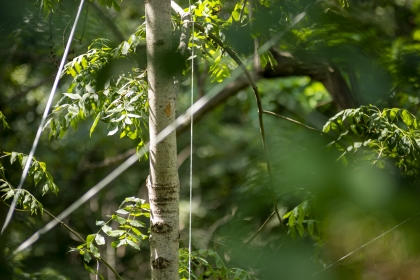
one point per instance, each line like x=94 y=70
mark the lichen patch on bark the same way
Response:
x=160 y=228
x=160 y=263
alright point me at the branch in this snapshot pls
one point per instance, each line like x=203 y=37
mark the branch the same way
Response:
x=233 y=55
x=304 y=65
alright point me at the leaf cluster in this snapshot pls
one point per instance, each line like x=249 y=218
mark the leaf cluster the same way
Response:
x=128 y=232
x=3 y=120
x=122 y=102
x=300 y=216
x=202 y=268
x=37 y=169
x=388 y=133
x=206 y=13
x=24 y=198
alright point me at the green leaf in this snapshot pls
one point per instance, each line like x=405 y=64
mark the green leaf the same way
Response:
x=45 y=189
x=100 y=240
x=115 y=233
x=301 y=215
x=122 y=212
x=407 y=118
x=53 y=187
x=118 y=243
x=132 y=244
x=23 y=158
x=292 y=219
x=311 y=227
x=119 y=219
x=73 y=96
x=73 y=110
x=9 y=194
x=90 y=238
x=393 y=114
x=87 y=257
x=84 y=62
x=13 y=157
x=116 y=6
x=292 y=232
x=3 y=119
x=285 y=216
x=26 y=200
x=94 y=251
x=43 y=166
x=95 y=123
x=136 y=223
x=38 y=176
x=136 y=231
x=300 y=229
x=106 y=229
x=112 y=132
x=34 y=206
x=219 y=261
x=100 y=223
x=125 y=48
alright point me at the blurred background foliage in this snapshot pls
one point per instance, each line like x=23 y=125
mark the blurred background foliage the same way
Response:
x=343 y=54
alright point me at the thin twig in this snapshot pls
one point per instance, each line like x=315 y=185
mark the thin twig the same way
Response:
x=242 y=11
x=84 y=24
x=293 y=121
x=254 y=235
x=110 y=267
x=259 y=230
x=233 y=55
x=65 y=226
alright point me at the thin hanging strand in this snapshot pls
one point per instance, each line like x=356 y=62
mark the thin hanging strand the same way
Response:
x=364 y=245
x=43 y=120
x=184 y=118
x=191 y=143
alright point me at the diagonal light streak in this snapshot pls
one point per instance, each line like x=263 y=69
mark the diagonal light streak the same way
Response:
x=43 y=120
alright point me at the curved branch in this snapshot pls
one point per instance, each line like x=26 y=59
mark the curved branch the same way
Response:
x=251 y=81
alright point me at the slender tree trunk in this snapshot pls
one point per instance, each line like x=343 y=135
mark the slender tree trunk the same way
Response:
x=163 y=182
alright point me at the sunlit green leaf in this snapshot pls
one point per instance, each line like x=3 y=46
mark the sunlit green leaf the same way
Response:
x=100 y=240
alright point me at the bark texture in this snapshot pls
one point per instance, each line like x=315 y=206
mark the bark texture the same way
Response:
x=163 y=182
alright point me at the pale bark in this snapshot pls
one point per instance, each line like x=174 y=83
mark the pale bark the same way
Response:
x=163 y=182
